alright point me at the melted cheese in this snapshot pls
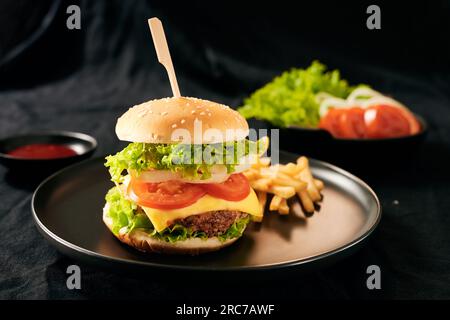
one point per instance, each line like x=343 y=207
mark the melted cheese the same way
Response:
x=163 y=218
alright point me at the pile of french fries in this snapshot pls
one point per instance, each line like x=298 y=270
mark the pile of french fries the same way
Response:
x=284 y=182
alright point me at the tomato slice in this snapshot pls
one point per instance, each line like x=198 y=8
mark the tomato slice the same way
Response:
x=414 y=125
x=234 y=189
x=331 y=122
x=351 y=123
x=324 y=122
x=335 y=122
x=345 y=127
x=165 y=195
x=379 y=121
x=175 y=194
x=383 y=121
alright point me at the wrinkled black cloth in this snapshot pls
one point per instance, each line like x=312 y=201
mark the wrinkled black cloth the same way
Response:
x=83 y=80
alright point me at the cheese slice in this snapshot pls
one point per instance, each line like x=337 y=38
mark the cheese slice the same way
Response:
x=161 y=219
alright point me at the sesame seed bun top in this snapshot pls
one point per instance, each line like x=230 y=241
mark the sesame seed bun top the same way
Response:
x=184 y=119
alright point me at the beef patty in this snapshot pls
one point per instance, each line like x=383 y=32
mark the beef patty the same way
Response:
x=212 y=223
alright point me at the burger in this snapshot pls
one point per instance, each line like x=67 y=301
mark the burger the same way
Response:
x=179 y=186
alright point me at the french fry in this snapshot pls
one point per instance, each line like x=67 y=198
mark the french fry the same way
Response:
x=252 y=174
x=302 y=163
x=295 y=182
x=283 y=208
x=261 y=183
x=264 y=162
x=284 y=182
x=306 y=201
x=275 y=203
x=268 y=173
x=285 y=176
x=319 y=184
x=306 y=176
x=262 y=198
x=289 y=182
x=283 y=192
x=290 y=169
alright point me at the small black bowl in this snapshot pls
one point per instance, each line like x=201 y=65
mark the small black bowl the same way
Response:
x=83 y=144
x=358 y=155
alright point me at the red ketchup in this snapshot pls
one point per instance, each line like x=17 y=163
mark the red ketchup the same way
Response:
x=42 y=151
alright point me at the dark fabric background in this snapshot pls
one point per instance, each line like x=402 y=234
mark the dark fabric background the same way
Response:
x=83 y=80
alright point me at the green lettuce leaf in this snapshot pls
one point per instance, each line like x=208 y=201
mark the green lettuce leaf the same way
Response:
x=125 y=213
x=236 y=229
x=121 y=211
x=192 y=161
x=290 y=99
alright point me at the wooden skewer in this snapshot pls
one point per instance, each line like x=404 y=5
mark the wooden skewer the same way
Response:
x=163 y=53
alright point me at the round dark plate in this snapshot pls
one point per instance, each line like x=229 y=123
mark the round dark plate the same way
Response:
x=67 y=208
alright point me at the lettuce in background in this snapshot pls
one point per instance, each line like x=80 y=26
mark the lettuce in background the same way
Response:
x=290 y=99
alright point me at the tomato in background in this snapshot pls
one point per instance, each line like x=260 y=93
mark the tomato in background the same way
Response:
x=383 y=121
x=352 y=124
x=376 y=122
x=414 y=125
x=331 y=122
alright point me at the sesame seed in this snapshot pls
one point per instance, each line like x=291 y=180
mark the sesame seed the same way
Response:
x=193 y=112
x=164 y=113
x=209 y=114
x=174 y=125
x=142 y=113
x=182 y=121
x=202 y=113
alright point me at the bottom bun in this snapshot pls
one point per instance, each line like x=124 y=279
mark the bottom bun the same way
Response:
x=146 y=243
